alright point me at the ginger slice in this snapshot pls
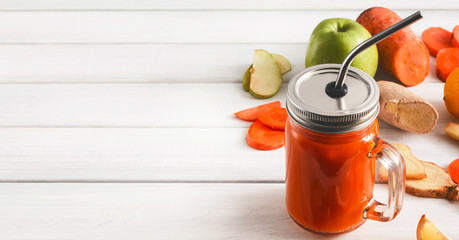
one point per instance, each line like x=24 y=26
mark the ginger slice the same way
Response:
x=414 y=167
x=452 y=129
x=403 y=109
x=437 y=184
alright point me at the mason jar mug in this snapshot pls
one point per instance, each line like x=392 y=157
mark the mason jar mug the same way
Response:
x=332 y=148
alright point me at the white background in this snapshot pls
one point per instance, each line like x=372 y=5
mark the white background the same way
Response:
x=116 y=119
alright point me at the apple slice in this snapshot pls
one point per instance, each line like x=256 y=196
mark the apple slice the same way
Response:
x=427 y=230
x=265 y=77
x=282 y=61
x=246 y=79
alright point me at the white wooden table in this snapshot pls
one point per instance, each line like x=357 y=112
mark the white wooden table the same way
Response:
x=116 y=119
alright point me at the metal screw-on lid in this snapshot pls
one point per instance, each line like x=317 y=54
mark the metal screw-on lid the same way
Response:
x=310 y=106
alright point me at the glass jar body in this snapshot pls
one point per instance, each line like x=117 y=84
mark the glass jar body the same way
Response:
x=329 y=177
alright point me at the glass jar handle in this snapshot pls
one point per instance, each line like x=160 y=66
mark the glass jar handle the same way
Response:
x=391 y=159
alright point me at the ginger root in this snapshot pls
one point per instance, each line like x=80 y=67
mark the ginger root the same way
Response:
x=423 y=179
x=452 y=129
x=403 y=109
x=414 y=167
x=437 y=184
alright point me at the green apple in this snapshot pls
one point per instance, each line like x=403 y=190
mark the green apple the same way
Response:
x=265 y=75
x=282 y=61
x=333 y=39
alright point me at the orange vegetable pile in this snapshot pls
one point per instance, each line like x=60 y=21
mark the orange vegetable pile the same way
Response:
x=267 y=129
x=251 y=114
x=273 y=117
x=435 y=39
x=444 y=45
x=455 y=37
x=453 y=170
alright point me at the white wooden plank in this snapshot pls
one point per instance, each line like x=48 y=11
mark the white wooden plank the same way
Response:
x=181 y=26
x=121 y=105
x=143 y=63
x=184 y=211
x=136 y=63
x=144 y=105
x=165 y=155
x=31 y=5
x=196 y=154
x=191 y=140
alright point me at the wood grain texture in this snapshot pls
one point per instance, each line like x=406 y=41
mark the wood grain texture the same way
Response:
x=184 y=211
x=156 y=155
x=31 y=5
x=165 y=155
x=126 y=105
x=145 y=105
x=136 y=63
x=144 y=63
x=181 y=26
x=144 y=91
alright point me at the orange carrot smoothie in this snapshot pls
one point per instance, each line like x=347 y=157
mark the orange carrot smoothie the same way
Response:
x=330 y=177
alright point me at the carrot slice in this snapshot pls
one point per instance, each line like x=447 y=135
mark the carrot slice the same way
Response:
x=435 y=39
x=251 y=114
x=274 y=118
x=447 y=61
x=262 y=137
x=411 y=63
x=455 y=37
x=453 y=170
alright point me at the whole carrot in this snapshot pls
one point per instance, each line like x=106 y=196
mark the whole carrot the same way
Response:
x=403 y=54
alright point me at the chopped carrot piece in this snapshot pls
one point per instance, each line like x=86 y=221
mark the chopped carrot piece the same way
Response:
x=274 y=118
x=455 y=37
x=447 y=61
x=262 y=137
x=435 y=39
x=453 y=170
x=411 y=63
x=251 y=114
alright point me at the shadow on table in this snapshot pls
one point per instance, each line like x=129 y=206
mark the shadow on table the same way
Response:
x=265 y=216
